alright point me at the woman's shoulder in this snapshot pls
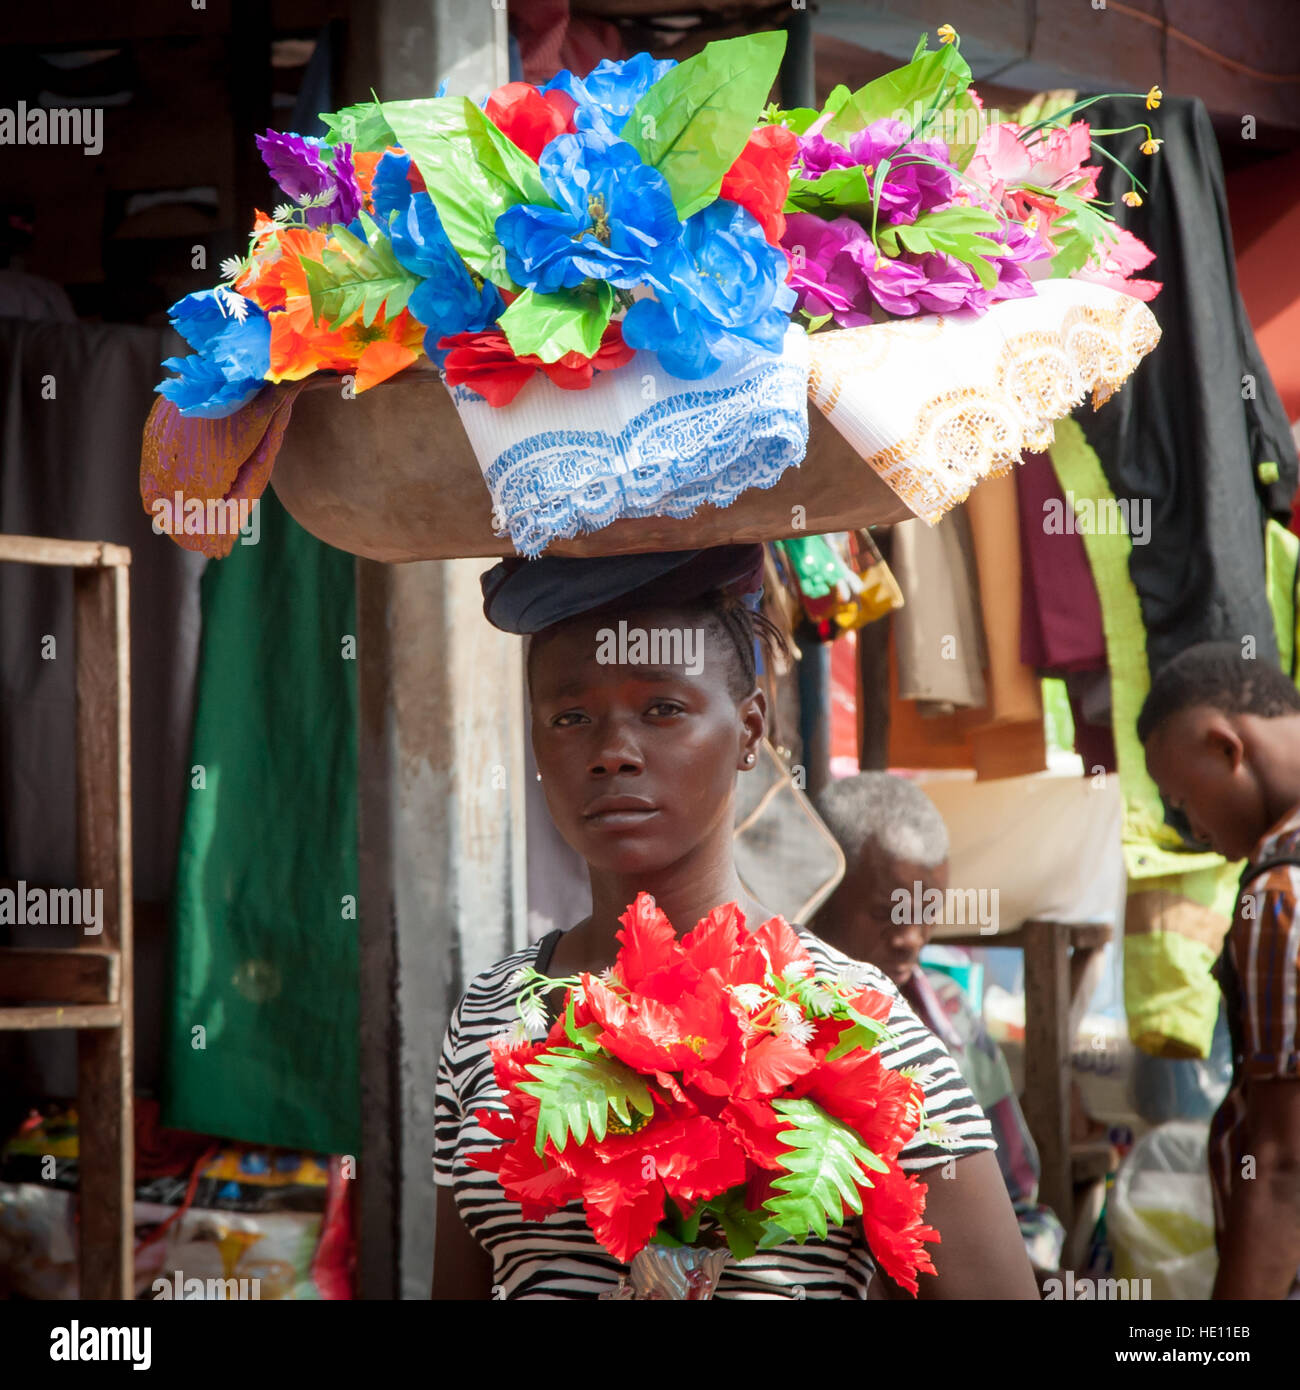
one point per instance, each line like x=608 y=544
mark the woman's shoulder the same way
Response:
x=831 y=961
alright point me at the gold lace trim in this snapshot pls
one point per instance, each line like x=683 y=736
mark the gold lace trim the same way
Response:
x=964 y=434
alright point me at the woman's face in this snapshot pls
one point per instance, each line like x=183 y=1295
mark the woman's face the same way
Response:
x=638 y=761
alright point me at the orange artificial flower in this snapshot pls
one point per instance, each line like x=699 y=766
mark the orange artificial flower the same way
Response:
x=275 y=272
x=300 y=345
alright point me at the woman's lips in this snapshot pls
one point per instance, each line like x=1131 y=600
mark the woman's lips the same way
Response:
x=619 y=820
x=619 y=812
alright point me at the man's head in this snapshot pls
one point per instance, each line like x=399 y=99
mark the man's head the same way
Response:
x=893 y=839
x=1222 y=740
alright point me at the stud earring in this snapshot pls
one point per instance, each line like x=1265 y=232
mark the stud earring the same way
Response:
x=749 y=759
x=539 y=776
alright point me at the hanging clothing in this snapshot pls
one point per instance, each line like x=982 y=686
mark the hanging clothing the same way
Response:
x=1190 y=432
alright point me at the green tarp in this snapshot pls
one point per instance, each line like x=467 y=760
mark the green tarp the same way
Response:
x=261 y=1042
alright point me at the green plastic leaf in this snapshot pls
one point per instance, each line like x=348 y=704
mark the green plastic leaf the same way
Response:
x=905 y=94
x=837 y=193
x=584 y=1037
x=549 y=325
x=577 y=1092
x=360 y=276
x=798 y=119
x=823 y=1170
x=363 y=126
x=473 y=174
x=957 y=232
x=864 y=1035
x=694 y=122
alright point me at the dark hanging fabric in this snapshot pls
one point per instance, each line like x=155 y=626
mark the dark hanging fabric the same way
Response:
x=1200 y=415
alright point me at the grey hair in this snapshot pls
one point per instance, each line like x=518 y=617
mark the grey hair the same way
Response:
x=891 y=813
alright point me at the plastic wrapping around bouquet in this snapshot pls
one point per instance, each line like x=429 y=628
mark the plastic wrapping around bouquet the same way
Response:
x=391 y=475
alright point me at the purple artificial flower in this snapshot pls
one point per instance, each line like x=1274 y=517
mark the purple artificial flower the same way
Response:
x=817 y=155
x=299 y=165
x=1021 y=248
x=894 y=284
x=949 y=286
x=913 y=185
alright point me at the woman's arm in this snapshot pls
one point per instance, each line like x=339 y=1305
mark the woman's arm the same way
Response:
x=461 y=1267
x=981 y=1255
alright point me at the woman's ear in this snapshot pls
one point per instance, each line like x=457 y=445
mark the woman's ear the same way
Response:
x=753 y=727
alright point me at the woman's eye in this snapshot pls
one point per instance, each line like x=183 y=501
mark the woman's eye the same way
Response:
x=662 y=708
x=567 y=719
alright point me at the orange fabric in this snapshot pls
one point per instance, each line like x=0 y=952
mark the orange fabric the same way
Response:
x=1014 y=692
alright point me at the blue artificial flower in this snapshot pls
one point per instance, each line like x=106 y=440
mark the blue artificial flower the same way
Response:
x=231 y=355
x=614 y=215
x=451 y=299
x=606 y=96
x=721 y=295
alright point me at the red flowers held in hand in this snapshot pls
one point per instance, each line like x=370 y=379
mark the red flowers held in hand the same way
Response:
x=714 y=1085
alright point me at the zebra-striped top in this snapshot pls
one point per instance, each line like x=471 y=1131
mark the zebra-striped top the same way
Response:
x=559 y=1257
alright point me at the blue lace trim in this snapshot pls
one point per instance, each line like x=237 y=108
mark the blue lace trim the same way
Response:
x=704 y=445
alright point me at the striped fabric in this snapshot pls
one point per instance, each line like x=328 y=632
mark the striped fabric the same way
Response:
x=559 y=1257
x=1264 y=949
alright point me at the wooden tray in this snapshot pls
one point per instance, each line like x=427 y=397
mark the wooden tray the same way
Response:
x=390 y=475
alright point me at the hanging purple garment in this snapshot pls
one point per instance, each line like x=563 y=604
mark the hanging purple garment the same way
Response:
x=1060 y=616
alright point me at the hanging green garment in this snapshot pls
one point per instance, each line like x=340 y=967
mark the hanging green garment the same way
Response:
x=1180 y=903
x=262 y=1039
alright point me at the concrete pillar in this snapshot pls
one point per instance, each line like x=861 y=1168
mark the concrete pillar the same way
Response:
x=441 y=756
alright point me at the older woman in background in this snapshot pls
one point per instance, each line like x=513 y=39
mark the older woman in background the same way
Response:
x=896 y=847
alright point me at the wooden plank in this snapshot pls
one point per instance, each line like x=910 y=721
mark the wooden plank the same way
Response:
x=104 y=1060
x=1047 y=1060
x=72 y=976
x=49 y=1017
x=42 y=550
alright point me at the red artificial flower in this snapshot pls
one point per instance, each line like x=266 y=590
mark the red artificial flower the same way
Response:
x=651 y=961
x=756 y=1125
x=486 y=363
x=717 y=943
x=699 y=1036
x=772 y=1063
x=531 y=119
x=891 y=1221
x=782 y=947
x=760 y=178
x=882 y=1106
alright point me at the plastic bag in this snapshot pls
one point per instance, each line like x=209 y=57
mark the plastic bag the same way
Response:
x=1161 y=1214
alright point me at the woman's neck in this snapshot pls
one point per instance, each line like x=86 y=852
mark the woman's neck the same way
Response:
x=684 y=892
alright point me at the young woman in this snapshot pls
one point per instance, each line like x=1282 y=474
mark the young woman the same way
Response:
x=639 y=768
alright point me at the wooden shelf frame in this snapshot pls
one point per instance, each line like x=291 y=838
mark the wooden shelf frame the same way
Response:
x=88 y=988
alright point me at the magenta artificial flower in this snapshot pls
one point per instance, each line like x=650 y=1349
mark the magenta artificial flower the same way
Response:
x=913 y=184
x=825 y=278
x=305 y=167
x=817 y=155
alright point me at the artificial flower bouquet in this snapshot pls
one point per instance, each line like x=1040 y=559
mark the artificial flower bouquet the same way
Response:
x=709 y=1092
x=655 y=237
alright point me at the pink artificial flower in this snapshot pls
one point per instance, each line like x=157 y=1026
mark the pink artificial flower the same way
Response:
x=1116 y=264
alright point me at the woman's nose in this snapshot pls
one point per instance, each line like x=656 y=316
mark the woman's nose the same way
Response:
x=615 y=751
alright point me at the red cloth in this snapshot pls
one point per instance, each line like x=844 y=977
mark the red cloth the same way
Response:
x=550 y=38
x=1060 y=614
